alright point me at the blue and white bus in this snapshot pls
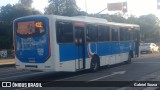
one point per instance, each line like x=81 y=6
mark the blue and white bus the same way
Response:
x=57 y=43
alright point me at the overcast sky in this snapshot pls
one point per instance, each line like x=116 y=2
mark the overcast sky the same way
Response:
x=135 y=7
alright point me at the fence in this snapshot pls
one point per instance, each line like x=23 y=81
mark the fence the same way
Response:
x=6 y=54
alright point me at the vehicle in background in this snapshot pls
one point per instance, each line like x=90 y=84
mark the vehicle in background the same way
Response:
x=149 y=48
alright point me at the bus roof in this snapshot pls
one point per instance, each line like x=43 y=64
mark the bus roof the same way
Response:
x=83 y=19
x=123 y=25
x=87 y=19
x=97 y=20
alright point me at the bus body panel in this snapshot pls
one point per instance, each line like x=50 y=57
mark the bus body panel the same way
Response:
x=30 y=47
x=51 y=63
x=64 y=56
x=67 y=51
x=109 y=53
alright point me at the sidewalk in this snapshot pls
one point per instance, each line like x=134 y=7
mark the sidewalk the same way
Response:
x=7 y=62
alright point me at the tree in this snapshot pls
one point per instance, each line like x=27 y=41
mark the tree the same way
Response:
x=118 y=18
x=133 y=20
x=149 y=24
x=62 y=7
x=26 y=3
x=149 y=27
x=7 y=14
x=82 y=13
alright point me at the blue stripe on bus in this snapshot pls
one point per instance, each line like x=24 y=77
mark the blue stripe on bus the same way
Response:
x=70 y=51
x=67 y=52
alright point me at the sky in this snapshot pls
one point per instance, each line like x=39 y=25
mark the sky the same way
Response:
x=135 y=7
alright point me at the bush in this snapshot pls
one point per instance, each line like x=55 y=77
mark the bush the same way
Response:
x=6 y=53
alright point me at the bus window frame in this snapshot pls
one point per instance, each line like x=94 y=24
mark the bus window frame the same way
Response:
x=59 y=20
x=133 y=32
x=86 y=30
x=83 y=26
x=109 y=31
x=114 y=27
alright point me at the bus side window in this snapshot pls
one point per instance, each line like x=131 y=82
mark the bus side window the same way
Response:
x=91 y=33
x=122 y=34
x=125 y=34
x=64 y=31
x=103 y=33
x=114 y=35
x=132 y=34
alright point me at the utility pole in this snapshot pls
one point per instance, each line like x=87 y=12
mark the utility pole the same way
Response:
x=86 y=6
x=57 y=7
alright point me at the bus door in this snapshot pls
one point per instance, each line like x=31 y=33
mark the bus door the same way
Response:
x=115 y=49
x=80 y=47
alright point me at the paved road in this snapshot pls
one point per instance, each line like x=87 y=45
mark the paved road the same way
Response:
x=144 y=68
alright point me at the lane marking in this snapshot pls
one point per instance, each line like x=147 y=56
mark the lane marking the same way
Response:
x=12 y=73
x=9 y=70
x=114 y=73
x=54 y=80
x=20 y=75
x=22 y=88
x=148 y=62
x=70 y=77
x=150 y=88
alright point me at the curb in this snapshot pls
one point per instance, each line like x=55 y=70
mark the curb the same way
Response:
x=7 y=65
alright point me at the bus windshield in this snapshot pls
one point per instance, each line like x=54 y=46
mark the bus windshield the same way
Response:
x=30 y=28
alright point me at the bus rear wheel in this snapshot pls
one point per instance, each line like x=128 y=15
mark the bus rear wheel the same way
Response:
x=95 y=63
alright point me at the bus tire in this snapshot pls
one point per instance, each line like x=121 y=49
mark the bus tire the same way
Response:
x=129 y=59
x=95 y=63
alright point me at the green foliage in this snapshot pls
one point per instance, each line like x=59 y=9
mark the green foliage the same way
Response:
x=7 y=14
x=149 y=24
x=111 y=18
x=26 y=3
x=62 y=7
x=82 y=13
x=149 y=27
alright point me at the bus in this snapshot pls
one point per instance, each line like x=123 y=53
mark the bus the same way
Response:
x=59 y=43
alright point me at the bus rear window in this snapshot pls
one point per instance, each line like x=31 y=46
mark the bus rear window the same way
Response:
x=30 y=28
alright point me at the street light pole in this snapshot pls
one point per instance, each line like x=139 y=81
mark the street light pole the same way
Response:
x=86 y=6
x=102 y=11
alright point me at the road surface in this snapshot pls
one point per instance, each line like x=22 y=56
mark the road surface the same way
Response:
x=144 y=68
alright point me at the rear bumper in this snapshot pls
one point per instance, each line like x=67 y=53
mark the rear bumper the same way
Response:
x=49 y=65
x=34 y=68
